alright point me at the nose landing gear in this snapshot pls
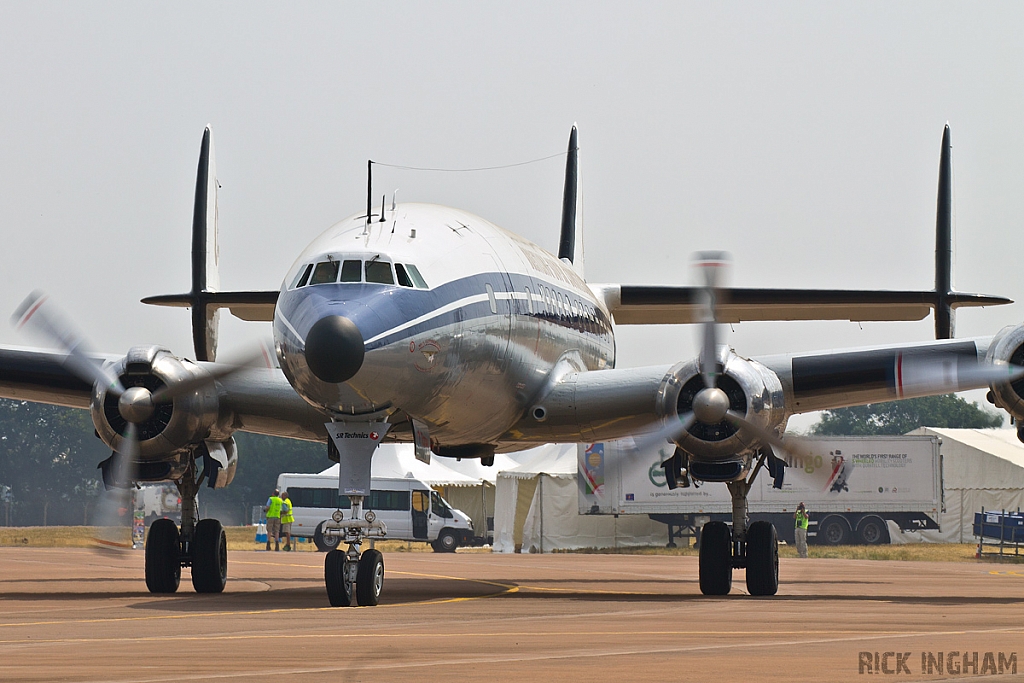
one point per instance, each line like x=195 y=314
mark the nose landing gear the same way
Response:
x=348 y=572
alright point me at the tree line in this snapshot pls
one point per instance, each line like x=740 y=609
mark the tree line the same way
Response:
x=49 y=454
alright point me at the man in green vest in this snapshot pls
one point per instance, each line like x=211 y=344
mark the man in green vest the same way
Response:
x=286 y=520
x=800 y=532
x=273 y=509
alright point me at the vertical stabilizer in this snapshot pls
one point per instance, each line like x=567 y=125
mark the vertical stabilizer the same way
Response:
x=205 y=274
x=944 y=314
x=570 y=243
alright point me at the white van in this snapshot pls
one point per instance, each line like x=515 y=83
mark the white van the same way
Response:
x=411 y=510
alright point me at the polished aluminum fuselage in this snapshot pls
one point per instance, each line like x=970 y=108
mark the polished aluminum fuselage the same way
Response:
x=466 y=356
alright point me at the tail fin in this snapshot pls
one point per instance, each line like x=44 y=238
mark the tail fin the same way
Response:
x=205 y=256
x=572 y=233
x=945 y=319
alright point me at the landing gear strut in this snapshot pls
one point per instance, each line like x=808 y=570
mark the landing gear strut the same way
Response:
x=348 y=572
x=200 y=544
x=755 y=548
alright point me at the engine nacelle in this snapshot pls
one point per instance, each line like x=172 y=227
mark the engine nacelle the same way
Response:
x=1008 y=345
x=174 y=429
x=754 y=391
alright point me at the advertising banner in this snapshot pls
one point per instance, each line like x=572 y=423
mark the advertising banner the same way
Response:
x=844 y=474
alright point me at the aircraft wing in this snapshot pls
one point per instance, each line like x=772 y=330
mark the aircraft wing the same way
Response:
x=661 y=305
x=253 y=400
x=604 y=405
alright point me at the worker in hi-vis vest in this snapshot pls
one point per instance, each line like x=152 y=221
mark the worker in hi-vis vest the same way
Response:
x=286 y=520
x=801 y=529
x=273 y=509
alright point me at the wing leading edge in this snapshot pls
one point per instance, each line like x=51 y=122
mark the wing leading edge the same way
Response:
x=662 y=305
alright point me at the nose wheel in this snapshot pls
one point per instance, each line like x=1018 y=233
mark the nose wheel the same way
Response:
x=346 y=573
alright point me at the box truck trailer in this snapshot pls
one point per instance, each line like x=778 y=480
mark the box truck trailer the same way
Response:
x=852 y=486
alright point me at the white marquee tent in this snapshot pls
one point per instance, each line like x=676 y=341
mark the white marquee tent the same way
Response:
x=537 y=509
x=980 y=468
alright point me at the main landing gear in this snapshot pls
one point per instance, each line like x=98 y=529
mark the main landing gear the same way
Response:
x=201 y=545
x=755 y=548
x=349 y=573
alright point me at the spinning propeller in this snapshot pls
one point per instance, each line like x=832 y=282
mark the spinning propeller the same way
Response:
x=136 y=404
x=918 y=375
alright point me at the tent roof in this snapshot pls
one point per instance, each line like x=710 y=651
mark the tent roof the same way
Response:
x=558 y=460
x=398 y=461
x=979 y=458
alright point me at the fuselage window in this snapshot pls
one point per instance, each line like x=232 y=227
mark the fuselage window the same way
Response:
x=414 y=273
x=490 y=299
x=352 y=271
x=403 y=277
x=303 y=277
x=325 y=271
x=379 y=272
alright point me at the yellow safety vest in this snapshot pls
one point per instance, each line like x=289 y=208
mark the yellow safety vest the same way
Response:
x=274 y=507
x=286 y=512
x=801 y=520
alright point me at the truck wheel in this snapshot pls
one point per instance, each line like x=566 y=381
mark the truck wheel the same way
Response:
x=446 y=542
x=370 y=578
x=163 y=564
x=716 y=559
x=324 y=544
x=872 y=531
x=209 y=557
x=339 y=588
x=833 y=530
x=762 y=559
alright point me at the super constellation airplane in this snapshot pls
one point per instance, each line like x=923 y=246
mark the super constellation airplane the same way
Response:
x=426 y=324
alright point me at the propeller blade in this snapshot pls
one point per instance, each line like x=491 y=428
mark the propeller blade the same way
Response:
x=116 y=509
x=39 y=315
x=791 y=445
x=670 y=432
x=712 y=264
x=920 y=375
x=260 y=358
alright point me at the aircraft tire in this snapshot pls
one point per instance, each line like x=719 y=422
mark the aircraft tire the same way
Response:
x=163 y=564
x=339 y=589
x=370 y=578
x=209 y=557
x=762 y=559
x=716 y=559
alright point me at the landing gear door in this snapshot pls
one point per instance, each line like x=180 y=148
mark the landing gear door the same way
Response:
x=420 y=510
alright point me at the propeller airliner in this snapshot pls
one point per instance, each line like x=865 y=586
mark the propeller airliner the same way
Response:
x=426 y=324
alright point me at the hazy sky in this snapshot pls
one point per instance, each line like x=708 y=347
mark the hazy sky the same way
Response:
x=803 y=138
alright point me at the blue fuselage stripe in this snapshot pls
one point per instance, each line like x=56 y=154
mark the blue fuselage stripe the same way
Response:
x=395 y=306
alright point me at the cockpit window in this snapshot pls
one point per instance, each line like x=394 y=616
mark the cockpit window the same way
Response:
x=380 y=272
x=351 y=271
x=414 y=273
x=403 y=277
x=325 y=271
x=303 y=277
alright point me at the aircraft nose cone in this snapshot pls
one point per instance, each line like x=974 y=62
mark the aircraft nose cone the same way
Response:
x=334 y=349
